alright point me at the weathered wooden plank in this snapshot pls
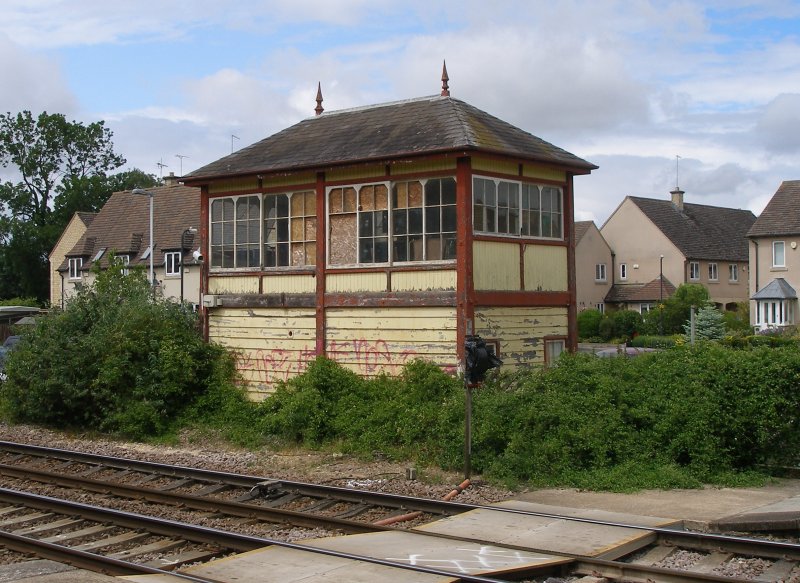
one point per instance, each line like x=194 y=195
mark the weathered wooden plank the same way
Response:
x=545 y=268
x=424 y=280
x=496 y=266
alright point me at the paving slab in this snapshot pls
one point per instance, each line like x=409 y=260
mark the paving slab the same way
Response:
x=502 y=525
x=697 y=508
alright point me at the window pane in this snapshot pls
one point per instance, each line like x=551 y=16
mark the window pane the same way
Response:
x=448 y=218
x=432 y=223
x=448 y=186
x=415 y=220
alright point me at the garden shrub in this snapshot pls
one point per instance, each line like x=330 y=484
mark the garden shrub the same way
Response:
x=677 y=418
x=589 y=323
x=117 y=360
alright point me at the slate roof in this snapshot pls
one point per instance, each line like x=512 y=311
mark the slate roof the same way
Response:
x=777 y=289
x=427 y=125
x=123 y=225
x=701 y=231
x=781 y=216
x=625 y=293
x=580 y=229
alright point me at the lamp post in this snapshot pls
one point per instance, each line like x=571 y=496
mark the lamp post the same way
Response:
x=190 y=230
x=661 y=296
x=143 y=192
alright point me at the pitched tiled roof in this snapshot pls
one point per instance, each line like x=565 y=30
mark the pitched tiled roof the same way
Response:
x=624 y=293
x=123 y=225
x=580 y=229
x=777 y=289
x=781 y=216
x=701 y=231
x=427 y=125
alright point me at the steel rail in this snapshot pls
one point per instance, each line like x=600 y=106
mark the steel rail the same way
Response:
x=226 y=539
x=203 y=534
x=741 y=545
x=86 y=560
x=352 y=495
x=232 y=508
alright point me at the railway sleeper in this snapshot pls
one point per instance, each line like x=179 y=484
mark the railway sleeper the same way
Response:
x=161 y=546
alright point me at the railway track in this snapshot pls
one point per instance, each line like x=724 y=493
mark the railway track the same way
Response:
x=253 y=498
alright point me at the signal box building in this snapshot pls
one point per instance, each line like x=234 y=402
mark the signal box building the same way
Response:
x=386 y=233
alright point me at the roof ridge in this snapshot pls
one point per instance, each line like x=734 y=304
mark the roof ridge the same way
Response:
x=376 y=106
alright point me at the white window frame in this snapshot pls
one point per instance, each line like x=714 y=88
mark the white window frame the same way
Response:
x=510 y=207
x=623 y=271
x=644 y=308
x=778 y=257
x=172 y=263
x=601 y=307
x=694 y=271
x=75 y=265
x=387 y=233
x=553 y=348
x=713 y=272
x=733 y=272
x=600 y=272
x=126 y=261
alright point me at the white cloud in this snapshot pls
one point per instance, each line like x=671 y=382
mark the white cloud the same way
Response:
x=31 y=82
x=778 y=129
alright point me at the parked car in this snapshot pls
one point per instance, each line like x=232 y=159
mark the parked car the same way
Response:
x=8 y=346
x=628 y=351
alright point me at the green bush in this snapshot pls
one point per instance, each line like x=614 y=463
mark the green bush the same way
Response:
x=644 y=341
x=589 y=323
x=626 y=324
x=116 y=360
x=677 y=418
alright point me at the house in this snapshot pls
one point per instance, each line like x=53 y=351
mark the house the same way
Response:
x=72 y=233
x=592 y=266
x=775 y=260
x=385 y=233
x=680 y=243
x=122 y=228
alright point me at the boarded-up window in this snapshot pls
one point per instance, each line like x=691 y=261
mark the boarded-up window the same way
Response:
x=420 y=222
x=344 y=229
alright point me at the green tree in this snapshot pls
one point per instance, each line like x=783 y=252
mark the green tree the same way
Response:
x=51 y=158
x=676 y=307
x=709 y=324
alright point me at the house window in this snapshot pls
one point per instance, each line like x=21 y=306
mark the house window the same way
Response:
x=778 y=254
x=517 y=209
x=644 y=308
x=733 y=272
x=600 y=272
x=75 y=264
x=623 y=271
x=290 y=229
x=235 y=231
x=125 y=260
x=712 y=272
x=601 y=307
x=694 y=270
x=172 y=263
x=553 y=349
x=419 y=220
x=424 y=220
x=771 y=313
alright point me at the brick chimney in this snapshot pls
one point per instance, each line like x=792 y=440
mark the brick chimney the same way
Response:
x=171 y=179
x=677 y=198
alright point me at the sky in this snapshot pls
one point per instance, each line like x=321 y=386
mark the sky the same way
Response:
x=704 y=95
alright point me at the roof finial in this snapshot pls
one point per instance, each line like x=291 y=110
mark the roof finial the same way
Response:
x=318 y=108
x=445 y=79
